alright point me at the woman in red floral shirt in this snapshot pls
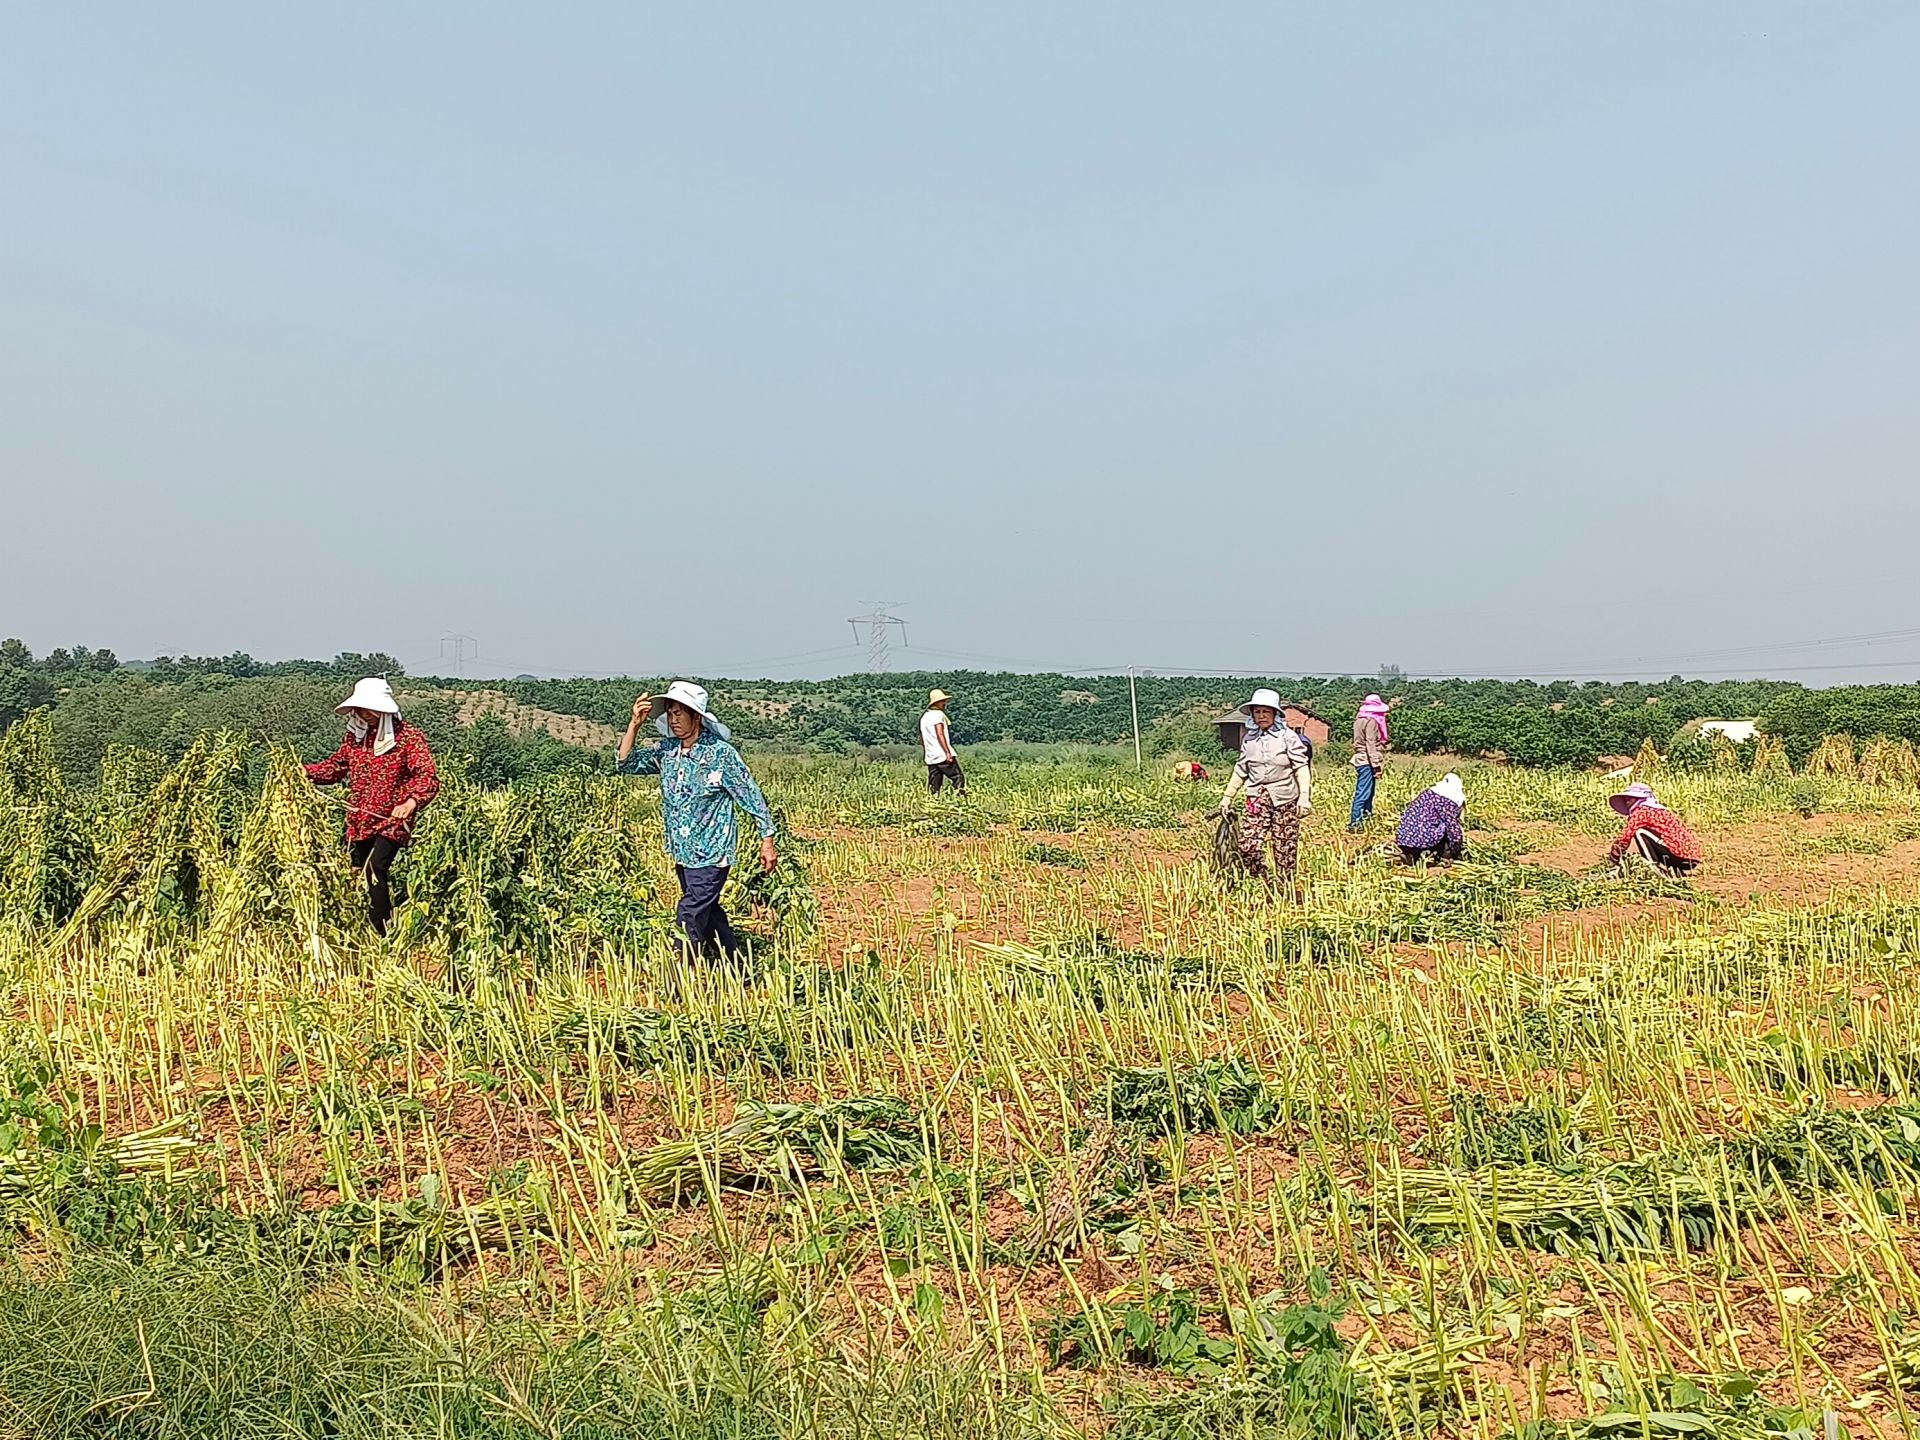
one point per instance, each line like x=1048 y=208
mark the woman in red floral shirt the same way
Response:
x=390 y=775
x=1654 y=833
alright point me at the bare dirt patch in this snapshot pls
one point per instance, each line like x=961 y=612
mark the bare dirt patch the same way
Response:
x=1781 y=858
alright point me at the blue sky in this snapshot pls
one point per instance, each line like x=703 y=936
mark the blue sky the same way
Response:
x=1271 y=338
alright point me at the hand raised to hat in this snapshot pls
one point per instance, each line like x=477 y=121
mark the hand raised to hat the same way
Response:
x=643 y=709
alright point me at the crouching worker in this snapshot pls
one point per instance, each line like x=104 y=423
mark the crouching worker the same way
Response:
x=702 y=778
x=1430 y=828
x=1274 y=771
x=390 y=776
x=1653 y=834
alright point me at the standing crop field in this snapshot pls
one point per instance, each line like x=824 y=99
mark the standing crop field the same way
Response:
x=1022 y=1124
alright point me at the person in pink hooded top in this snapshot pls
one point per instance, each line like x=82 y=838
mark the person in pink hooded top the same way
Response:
x=1369 y=757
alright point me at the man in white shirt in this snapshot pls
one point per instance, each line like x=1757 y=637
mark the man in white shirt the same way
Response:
x=936 y=741
x=1274 y=771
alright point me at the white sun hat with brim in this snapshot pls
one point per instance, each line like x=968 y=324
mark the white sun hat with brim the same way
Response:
x=694 y=697
x=1268 y=698
x=372 y=694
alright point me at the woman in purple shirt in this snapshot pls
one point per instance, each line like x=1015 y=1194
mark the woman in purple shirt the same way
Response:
x=1430 y=828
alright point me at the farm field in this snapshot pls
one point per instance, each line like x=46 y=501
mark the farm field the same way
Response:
x=1023 y=1123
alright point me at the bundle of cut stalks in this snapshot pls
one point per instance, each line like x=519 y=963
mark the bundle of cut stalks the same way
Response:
x=784 y=1145
x=1227 y=858
x=1770 y=758
x=1723 y=754
x=1621 y=1209
x=1889 y=762
x=1833 y=757
x=164 y=1149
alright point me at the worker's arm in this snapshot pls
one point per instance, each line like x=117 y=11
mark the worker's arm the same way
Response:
x=746 y=794
x=1303 y=777
x=1625 y=840
x=1236 y=782
x=946 y=743
x=643 y=761
x=422 y=780
x=330 y=771
x=642 y=712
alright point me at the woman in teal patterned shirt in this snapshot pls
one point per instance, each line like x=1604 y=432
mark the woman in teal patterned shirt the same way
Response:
x=702 y=778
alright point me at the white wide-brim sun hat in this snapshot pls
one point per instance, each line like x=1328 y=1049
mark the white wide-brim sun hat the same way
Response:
x=694 y=697
x=1268 y=698
x=373 y=694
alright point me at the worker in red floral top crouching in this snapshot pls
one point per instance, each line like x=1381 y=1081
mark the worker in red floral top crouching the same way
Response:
x=1653 y=833
x=390 y=775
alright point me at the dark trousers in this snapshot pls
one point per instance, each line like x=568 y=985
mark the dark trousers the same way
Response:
x=373 y=858
x=1439 y=850
x=1659 y=857
x=699 y=913
x=946 y=772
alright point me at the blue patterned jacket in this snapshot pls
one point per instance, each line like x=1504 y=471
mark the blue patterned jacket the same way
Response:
x=698 y=790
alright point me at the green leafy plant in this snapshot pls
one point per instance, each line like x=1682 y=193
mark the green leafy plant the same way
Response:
x=1041 y=853
x=1537 y=1131
x=1222 y=1094
x=1161 y=1328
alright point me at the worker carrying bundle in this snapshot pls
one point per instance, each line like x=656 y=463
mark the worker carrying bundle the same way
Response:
x=1274 y=772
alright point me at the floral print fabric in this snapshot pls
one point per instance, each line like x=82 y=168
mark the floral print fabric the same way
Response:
x=698 y=790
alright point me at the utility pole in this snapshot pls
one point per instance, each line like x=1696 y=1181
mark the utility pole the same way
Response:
x=1133 y=699
x=458 y=644
x=877 y=621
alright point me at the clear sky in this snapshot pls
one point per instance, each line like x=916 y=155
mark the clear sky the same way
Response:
x=1271 y=337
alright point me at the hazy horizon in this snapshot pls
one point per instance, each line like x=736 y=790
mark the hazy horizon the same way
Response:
x=1480 y=340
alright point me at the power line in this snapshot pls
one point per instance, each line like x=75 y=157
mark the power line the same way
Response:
x=1878 y=637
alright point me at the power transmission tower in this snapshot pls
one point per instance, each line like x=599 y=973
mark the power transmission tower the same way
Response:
x=458 y=645
x=877 y=622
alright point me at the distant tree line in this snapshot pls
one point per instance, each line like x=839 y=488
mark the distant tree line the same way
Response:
x=162 y=704
x=1530 y=722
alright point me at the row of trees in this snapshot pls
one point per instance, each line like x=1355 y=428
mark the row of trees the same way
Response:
x=28 y=682
x=1563 y=722
x=126 y=708
x=163 y=703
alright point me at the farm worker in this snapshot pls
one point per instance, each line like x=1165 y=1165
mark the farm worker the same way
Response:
x=1273 y=770
x=1430 y=827
x=1189 y=770
x=389 y=774
x=1369 y=757
x=702 y=778
x=1305 y=739
x=1654 y=833
x=936 y=741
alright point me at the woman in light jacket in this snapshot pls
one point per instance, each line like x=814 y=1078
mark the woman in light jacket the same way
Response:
x=1278 y=780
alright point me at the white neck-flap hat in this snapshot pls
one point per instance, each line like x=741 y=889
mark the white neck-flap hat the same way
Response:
x=694 y=697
